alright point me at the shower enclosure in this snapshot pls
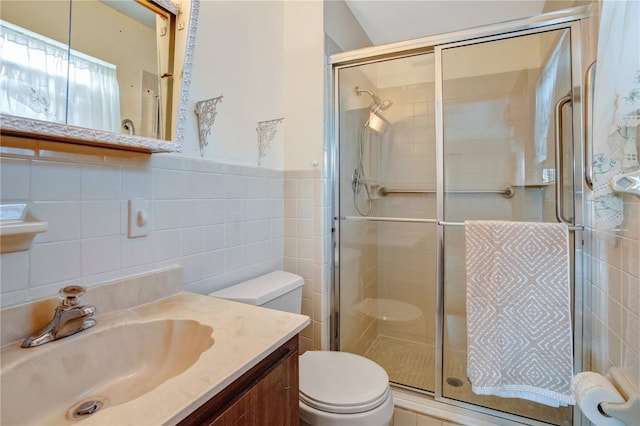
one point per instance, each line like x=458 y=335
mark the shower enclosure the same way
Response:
x=481 y=124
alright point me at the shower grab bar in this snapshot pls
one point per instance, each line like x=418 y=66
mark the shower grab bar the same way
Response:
x=508 y=192
x=444 y=223
x=560 y=161
x=388 y=219
x=588 y=127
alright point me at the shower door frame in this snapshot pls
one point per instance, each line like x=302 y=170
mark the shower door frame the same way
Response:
x=572 y=19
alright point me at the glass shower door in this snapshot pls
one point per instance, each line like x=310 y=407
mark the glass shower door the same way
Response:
x=386 y=260
x=499 y=100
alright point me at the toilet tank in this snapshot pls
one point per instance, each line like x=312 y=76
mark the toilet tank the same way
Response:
x=276 y=290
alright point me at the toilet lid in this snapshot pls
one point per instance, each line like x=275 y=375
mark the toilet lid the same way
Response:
x=341 y=383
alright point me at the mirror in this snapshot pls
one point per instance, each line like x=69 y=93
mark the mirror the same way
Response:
x=99 y=72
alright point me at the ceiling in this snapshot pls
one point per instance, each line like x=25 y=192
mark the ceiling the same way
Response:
x=388 y=21
x=133 y=10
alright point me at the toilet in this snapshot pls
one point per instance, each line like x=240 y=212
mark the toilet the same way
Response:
x=336 y=388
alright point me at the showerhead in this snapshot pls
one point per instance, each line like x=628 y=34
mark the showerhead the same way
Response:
x=380 y=104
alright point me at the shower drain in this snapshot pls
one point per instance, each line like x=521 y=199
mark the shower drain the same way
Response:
x=87 y=408
x=454 y=381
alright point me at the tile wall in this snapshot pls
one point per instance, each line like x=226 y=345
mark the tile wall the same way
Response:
x=407 y=252
x=307 y=241
x=612 y=294
x=223 y=223
x=402 y=417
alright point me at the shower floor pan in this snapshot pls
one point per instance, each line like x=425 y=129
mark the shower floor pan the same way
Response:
x=412 y=364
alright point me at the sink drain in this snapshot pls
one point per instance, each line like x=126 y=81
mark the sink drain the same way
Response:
x=454 y=381
x=86 y=408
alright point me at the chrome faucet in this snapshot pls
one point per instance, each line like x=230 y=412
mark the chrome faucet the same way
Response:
x=68 y=319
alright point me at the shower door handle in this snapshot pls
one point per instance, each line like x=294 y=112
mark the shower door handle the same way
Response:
x=588 y=128
x=559 y=161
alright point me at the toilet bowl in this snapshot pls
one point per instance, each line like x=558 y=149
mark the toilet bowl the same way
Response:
x=336 y=388
x=340 y=388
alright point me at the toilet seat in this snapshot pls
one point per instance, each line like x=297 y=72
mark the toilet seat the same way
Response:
x=341 y=382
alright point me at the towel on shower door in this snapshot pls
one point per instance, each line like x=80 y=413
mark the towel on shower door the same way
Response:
x=519 y=342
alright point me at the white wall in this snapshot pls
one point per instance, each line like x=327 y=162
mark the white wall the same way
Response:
x=304 y=89
x=221 y=222
x=239 y=54
x=343 y=28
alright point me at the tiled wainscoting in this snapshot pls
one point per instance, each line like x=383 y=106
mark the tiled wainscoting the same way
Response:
x=222 y=223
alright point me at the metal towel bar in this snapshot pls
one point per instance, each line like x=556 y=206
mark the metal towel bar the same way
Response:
x=444 y=223
x=388 y=219
x=416 y=220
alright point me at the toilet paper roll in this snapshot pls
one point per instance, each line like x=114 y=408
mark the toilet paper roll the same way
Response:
x=591 y=389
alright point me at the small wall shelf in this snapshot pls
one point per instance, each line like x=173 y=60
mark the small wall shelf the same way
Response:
x=18 y=228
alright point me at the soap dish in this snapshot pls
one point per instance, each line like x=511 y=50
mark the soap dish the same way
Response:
x=18 y=228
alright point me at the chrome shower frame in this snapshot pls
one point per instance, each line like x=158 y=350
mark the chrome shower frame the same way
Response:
x=574 y=19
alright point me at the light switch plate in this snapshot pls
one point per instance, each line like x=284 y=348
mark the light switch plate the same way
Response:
x=138 y=218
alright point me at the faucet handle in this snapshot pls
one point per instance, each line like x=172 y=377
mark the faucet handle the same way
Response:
x=70 y=295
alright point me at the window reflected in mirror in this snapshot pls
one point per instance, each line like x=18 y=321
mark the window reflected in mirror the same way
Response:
x=98 y=64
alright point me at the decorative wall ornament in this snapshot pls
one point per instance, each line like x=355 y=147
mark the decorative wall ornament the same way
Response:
x=266 y=132
x=206 y=113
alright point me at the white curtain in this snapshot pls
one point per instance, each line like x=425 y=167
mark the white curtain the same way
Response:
x=616 y=105
x=33 y=82
x=548 y=90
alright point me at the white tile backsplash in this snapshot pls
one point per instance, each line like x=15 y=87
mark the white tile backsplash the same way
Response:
x=196 y=206
x=166 y=214
x=99 y=255
x=14 y=272
x=98 y=219
x=136 y=183
x=14 y=178
x=54 y=262
x=233 y=234
x=214 y=237
x=55 y=181
x=63 y=218
x=100 y=183
x=136 y=251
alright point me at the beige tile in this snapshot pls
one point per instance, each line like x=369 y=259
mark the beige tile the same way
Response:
x=424 y=420
x=403 y=417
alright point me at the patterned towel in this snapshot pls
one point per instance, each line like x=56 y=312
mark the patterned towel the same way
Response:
x=519 y=342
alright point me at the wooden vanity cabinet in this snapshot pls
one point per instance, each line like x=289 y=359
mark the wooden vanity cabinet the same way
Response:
x=265 y=395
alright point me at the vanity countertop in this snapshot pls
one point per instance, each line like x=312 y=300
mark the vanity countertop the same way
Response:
x=243 y=335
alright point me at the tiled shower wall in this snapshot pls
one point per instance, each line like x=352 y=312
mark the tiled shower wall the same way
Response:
x=612 y=294
x=612 y=281
x=407 y=251
x=358 y=261
x=223 y=223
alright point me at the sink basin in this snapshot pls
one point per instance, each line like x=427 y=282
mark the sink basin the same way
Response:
x=112 y=365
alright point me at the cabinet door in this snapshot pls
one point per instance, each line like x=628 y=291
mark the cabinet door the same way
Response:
x=277 y=395
x=241 y=413
x=265 y=395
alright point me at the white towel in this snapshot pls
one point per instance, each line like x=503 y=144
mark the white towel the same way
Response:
x=519 y=342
